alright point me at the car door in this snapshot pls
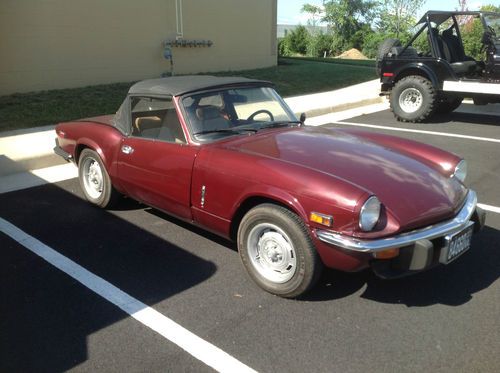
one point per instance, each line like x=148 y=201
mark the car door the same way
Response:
x=155 y=162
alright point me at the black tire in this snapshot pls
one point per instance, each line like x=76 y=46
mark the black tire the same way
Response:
x=413 y=99
x=277 y=251
x=448 y=104
x=95 y=181
x=384 y=48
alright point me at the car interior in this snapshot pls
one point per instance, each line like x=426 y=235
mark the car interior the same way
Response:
x=163 y=125
x=452 y=50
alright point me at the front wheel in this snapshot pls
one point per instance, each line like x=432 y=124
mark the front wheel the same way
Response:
x=94 y=180
x=413 y=99
x=277 y=251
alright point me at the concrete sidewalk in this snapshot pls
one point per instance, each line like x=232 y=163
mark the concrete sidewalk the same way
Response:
x=32 y=149
x=341 y=99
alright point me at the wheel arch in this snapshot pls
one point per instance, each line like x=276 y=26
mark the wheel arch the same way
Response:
x=419 y=70
x=88 y=144
x=251 y=201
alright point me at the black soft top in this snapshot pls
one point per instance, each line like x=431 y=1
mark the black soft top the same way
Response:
x=439 y=16
x=179 y=85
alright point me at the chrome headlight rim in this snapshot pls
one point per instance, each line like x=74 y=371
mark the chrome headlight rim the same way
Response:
x=460 y=171
x=369 y=215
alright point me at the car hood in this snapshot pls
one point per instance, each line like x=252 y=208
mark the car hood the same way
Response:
x=415 y=193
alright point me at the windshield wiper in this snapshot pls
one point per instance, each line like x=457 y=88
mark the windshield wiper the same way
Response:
x=237 y=131
x=280 y=124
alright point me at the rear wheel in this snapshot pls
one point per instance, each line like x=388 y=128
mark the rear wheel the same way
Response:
x=94 y=180
x=277 y=251
x=413 y=99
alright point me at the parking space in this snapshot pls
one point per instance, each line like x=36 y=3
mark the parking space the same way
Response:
x=442 y=320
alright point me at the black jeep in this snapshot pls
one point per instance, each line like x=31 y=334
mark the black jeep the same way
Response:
x=432 y=74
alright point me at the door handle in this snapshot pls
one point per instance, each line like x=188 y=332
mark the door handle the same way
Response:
x=127 y=149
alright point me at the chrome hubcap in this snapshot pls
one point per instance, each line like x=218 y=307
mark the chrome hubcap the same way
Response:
x=92 y=178
x=271 y=253
x=410 y=100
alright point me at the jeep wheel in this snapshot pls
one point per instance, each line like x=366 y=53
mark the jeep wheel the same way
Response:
x=413 y=99
x=384 y=48
x=448 y=104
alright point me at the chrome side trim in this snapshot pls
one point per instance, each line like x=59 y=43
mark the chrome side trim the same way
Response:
x=456 y=224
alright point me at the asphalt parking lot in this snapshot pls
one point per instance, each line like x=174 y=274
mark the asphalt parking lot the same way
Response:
x=444 y=320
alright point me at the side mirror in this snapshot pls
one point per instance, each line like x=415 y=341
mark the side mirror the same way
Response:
x=302 y=118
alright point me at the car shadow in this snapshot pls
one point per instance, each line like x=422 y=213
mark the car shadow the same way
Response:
x=453 y=285
x=472 y=118
x=47 y=317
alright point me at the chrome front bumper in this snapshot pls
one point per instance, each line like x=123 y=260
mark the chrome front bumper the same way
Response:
x=458 y=223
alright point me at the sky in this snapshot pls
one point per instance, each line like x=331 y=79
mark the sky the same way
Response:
x=289 y=10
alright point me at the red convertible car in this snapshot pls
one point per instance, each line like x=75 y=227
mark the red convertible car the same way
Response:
x=229 y=155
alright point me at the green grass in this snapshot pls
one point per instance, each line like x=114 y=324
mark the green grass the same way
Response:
x=292 y=77
x=340 y=61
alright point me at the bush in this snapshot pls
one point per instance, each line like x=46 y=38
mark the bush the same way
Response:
x=284 y=49
x=299 y=39
x=471 y=38
x=319 y=44
x=358 y=39
x=372 y=43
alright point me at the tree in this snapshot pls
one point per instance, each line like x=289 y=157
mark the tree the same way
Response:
x=314 y=12
x=472 y=34
x=490 y=8
x=396 y=17
x=346 y=17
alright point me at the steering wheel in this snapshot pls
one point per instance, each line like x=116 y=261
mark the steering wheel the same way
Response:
x=262 y=111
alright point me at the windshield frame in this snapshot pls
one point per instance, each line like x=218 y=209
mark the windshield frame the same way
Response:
x=492 y=20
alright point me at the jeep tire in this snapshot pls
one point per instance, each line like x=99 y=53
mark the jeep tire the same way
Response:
x=413 y=99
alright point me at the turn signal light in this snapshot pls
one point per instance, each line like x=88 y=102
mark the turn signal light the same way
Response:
x=325 y=220
x=387 y=254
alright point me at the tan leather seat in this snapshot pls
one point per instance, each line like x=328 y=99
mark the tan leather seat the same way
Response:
x=211 y=119
x=148 y=126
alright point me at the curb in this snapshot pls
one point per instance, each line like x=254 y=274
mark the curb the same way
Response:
x=350 y=105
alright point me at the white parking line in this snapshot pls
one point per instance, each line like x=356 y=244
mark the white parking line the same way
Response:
x=435 y=133
x=191 y=343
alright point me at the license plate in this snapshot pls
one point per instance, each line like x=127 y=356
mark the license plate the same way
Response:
x=457 y=244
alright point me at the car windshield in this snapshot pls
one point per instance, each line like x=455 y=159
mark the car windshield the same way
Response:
x=234 y=111
x=493 y=23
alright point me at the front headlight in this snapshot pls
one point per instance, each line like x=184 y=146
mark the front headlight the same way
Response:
x=369 y=214
x=461 y=170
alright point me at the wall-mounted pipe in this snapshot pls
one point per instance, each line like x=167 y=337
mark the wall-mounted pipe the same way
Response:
x=178 y=19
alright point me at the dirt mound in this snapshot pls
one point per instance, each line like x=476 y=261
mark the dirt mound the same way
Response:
x=353 y=54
